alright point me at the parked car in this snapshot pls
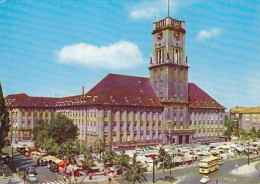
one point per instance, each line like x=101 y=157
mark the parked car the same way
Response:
x=41 y=162
x=31 y=170
x=26 y=153
x=5 y=158
x=31 y=178
x=205 y=179
x=54 y=168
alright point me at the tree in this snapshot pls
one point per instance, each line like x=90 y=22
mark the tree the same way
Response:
x=244 y=133
x=58 y=137
x=109 y=157
x=231 y=127
x=165 y=158
x=258 y=133
x=122 y=159
x=99 y=147
x=62 y=129
x=4 y=120
x=253 y=132
x=41 y=133
x=136 y=172
x=89 y=160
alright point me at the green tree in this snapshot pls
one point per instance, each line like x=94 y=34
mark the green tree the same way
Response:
x=244 y=133
x=89 y=160
x=109 y=157
x=136 y=172
x=99 y=147
x=41 y=133
x=62 y=129
x=231 y=127
x=122 y=159
x=165 y=158
x=258 y=133
x=4 y=120
x=253 y=132
x=58 y=137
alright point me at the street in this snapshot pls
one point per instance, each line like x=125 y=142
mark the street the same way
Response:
x=22 y=162
x=191 y=175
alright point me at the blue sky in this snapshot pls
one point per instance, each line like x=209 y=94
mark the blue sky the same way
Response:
x=45 y=44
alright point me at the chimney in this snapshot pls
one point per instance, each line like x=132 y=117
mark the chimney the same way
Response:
x=83 y=90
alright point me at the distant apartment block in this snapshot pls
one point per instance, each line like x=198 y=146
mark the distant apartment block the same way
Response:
x=248 y=117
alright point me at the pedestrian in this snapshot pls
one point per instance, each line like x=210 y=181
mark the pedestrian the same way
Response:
x=236 y=167
x=64 y=178
x=217 y=181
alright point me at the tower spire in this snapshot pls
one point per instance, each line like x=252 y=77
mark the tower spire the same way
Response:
x=168 y=8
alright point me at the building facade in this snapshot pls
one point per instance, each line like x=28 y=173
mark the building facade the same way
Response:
x=129 y=110
x=248 y=117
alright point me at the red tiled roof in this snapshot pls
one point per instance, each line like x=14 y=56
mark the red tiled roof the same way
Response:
x=28 y=101
x=200 y=99
x=118 y=90
x=125 y=90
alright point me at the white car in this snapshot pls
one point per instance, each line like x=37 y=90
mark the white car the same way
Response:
x=205 y=179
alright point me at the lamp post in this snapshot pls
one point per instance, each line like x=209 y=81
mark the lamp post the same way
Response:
x=12 y=161
x=24 y=176
x=153 y=157
x=248 y=155
x=169 y=123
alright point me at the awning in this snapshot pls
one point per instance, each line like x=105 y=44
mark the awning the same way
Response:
x=52 y=158
x=58 y=161
x=177 y=159
x=62 y=163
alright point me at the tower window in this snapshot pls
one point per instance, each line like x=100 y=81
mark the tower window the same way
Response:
x=160 y=56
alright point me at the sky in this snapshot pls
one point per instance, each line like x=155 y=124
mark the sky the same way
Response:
x=54 y=47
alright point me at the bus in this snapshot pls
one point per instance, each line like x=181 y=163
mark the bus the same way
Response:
x=209 y=164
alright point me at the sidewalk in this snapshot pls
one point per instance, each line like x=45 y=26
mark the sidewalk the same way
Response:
x=9 y=177
x=245 y=169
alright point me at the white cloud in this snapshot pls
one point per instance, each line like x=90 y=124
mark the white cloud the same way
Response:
x=151 y=9
x=207 y=34
x=119 y=55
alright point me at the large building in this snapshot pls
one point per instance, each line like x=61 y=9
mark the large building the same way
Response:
x=130 y=110
x=248 y=117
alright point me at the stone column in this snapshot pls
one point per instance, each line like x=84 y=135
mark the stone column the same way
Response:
x=118 y=126
x=156 y=126
x=178 y=118
x=125 y=125
x=138 y=127
x=150 y=126
x=183 y=139
x=100 y=124
x=144 y=117
x=131 y=116
x=49 y=116
x=109 y=127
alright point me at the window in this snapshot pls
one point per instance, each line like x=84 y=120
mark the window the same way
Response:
x=160 y=56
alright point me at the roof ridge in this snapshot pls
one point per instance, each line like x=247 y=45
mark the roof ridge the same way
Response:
x=128 y=75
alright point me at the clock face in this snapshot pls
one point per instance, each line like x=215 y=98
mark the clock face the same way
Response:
x=160 y=36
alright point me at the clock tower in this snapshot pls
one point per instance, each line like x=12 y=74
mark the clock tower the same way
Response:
x=169 y=75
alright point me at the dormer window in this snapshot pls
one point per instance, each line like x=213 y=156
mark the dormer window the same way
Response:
x=95 y=98
x=126 y=99
x=112 y=98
